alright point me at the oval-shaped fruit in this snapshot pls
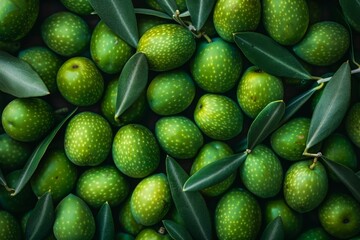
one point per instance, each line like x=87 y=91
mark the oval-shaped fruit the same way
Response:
x=145 y=22
x=209 y=153
x=73 y=220
x=156 y=6
x=292 y=221
x=285 y=21
x=21 y=202
x=338 y=148
x=108 y=106
x=27 y=119
x=289 y=141
x=127 y=220
x=352 y=122
x=45 y=62
x=216 y=66
x=108 y=51
x=135 y=151
x=339 y=215
x=151 y=199
x=82 y=7
x=262 y=173
x=151 y=234
x=324 y=43
x=13 y=154
x=305 y=185
x=102 y=184
x=237 y=216
x=88 y=139
x=17 y=18
x=231 y=16
x=317 y=233
x=218 y=116
x=167 y=46
x=80 y=82
x=55 y=174
x=171 y=92
x=9 y=227
x=178 y=136
x=65 y=33
x=256 y=89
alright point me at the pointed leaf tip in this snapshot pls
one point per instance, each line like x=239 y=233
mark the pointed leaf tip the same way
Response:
x=105 y=223
x=274 y=230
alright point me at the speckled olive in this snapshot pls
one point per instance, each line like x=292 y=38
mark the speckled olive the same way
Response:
x=231 y=16
x=55 y=174
x=209 y=153
x=127 y=221
x=88 y=139
x=285 y=21
x=13 y=154
x=218 y=116
x=73 y=219
x=167 y=46
x=352 y=123
x=65 y=33
x=324 y=43
x=305 y=185
x=262 y=173
x=27 y=119
x=102 y=184
x=256 y=89
x=135 y=151
x=82 y=7
x=108 y=51
x=216 y=66
x=151 y=234
x=317 y=233
x=80 y=82
x=9 y=226
x=178 y=136
x=151 y=199
x=237 y=216
x=171 y=92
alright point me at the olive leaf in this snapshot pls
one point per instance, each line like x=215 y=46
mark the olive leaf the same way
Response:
x=176 y=231
x=214 y=172
x=3 y=181
x=265 y=123
x=120 y=17
x=169 y=6
x=296 y=103
x=331 y=107
x=274 y=230
x=199 y=11
x=41 y=220
x=351 y=11
x=132 y=82
x=151 y=12
x=19 y=79
x=268 y=55
x=345 y=175
x=241 y=146
x=190 y=205
x=34 y=160
x=105 y=223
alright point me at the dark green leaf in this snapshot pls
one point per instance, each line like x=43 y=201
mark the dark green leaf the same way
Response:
x=3 y=181
x=265 y=122
x=176 y=231
x=169 y=6
x=41 y=220
x=132 y=82
x=19 y=79
x=268 y=55
x=190 y=205
x=241 y=146
x=345 y=175
x=331 y=107
x=214 y=172
x=358 y=174
x=33 y=161
x=199 y=11
x=120 y=17
x=151 y=12
x=296 y=103
x=274 y=230
x=351 y=9
x=105 y=223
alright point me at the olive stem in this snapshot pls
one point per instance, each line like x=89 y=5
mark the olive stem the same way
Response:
x=162 y=230
x=315 y=155
x=312 y=166
x=322 y=80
